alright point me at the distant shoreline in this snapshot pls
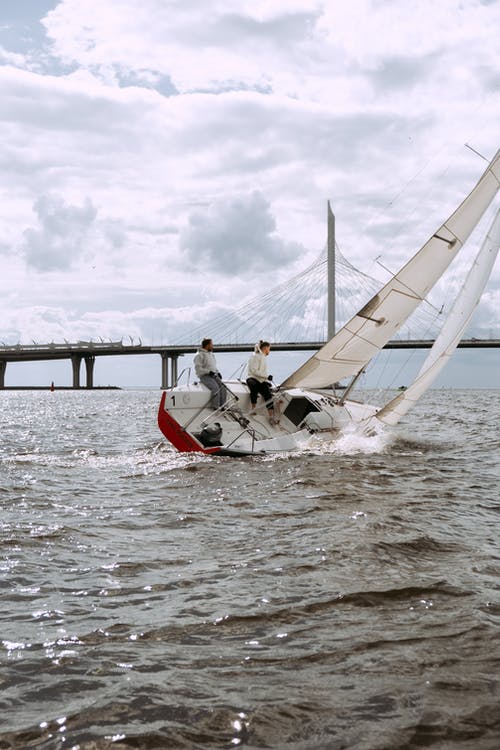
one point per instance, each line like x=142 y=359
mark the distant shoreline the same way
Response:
x=59 y=388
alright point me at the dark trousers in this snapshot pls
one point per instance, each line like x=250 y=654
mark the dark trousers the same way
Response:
x=264 y=389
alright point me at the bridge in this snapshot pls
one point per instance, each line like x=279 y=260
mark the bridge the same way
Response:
x=88 y=351
x=297 y=315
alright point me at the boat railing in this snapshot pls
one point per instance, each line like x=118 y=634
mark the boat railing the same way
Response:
x=250 y=431
x=178 y=378
x=229 y=408
x=238 y=373
x=226 y=407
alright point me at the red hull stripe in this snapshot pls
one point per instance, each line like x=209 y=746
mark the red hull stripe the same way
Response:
x=175 y=434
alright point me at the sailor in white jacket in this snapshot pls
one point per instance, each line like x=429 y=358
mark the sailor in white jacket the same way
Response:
x=208 y=374
x=258 y=380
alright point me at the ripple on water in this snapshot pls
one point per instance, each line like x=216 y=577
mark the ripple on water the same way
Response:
x=345 y=596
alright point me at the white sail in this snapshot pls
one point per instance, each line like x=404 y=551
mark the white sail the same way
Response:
x=375 y=324
x=453 y=329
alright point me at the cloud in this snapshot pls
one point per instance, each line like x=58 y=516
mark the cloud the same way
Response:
x=236 y=236
x=342 y=55
x=55 y=323
x=170 y=155
x=66 y=233
x=11 y=58
x=484 y=323
x=402 y=72
x=230 y=46
x=59 y=240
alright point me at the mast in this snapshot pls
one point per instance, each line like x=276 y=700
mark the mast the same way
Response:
x=331 y=272
x=351 y=386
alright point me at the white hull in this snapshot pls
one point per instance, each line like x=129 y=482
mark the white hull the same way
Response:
x=188 y=422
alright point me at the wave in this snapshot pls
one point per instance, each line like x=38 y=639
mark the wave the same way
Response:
x=417 y=545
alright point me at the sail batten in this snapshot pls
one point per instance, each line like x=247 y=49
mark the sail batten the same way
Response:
x=379 y=319
x=452 y=330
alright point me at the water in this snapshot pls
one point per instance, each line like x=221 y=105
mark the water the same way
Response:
x=346 y=597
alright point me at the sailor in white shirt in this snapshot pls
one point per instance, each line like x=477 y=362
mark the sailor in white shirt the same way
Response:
x=258 y=380
x=208 y=374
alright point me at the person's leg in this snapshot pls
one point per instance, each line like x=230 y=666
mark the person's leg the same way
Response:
x=253 y=386
x=214 y=389
x=221 y=393
x=265 y=392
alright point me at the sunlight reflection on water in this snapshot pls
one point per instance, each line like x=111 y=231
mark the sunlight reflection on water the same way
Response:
x=158 y=599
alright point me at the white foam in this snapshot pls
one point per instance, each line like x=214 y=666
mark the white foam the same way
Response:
x=354 y=439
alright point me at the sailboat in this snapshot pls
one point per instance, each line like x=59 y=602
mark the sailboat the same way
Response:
x=306 y=404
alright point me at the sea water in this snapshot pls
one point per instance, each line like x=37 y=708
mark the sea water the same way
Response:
x=342 y=597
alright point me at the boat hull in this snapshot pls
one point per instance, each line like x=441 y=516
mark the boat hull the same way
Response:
x=300 y=416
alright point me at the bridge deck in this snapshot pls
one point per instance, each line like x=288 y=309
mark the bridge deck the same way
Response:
x=89 y=350
x=27 y=353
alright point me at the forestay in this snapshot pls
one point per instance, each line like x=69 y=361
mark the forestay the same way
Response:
x=453 y=329
x=348 y=352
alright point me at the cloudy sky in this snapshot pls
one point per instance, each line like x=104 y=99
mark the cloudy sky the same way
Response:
x=164 y=160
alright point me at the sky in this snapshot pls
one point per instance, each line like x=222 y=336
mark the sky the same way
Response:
x=164 y=161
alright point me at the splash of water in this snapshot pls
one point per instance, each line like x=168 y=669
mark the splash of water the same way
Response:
x=355 y=438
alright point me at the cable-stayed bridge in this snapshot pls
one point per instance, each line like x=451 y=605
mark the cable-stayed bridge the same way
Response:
x=297 y=315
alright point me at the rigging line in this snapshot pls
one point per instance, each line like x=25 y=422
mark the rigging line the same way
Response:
x=349 y=265
x=476 y=152
x=359 y=281
x=421 y=320
x=410 y=356
x=385 y=362
x=404 y=364
x=390 y=357
x=384 y=212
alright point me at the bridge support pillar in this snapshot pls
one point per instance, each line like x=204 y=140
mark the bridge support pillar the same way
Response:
x=174 y=359
x=76 y=360
x=164 y=370
x=3 y=367
x=89 y=368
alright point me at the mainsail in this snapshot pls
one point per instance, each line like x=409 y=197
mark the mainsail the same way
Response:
x=452 y=331
x=357 y=342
